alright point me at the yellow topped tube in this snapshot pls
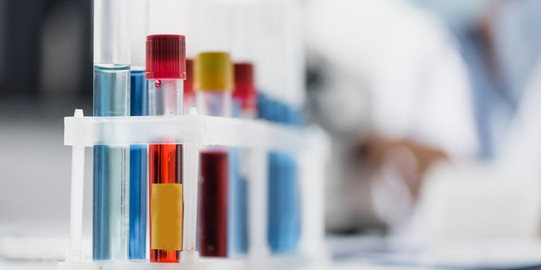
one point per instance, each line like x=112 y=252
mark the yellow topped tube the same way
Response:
x=213 y=71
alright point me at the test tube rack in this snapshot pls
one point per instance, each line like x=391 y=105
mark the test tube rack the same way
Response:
x=310 y=146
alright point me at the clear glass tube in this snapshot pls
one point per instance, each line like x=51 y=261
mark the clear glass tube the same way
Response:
x=139 y=31
x=111 y=98
x=214 y=103
x=165 y=162
x=112 y=32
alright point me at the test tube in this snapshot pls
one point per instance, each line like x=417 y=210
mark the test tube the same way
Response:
x=111 y=98
x=138 y=153
x=213 y=82
x=284 y=202
x=286 y=190
x=244 y=106
x=165 y=72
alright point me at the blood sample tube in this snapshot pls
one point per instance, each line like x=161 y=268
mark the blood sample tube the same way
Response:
x=165 y=72
x=244 y=95
x=213 y=82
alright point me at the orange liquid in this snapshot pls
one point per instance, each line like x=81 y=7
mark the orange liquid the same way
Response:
x=164 y=166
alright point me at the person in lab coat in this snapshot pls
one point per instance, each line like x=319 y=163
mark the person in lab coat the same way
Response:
x=401 y=87
x=397 y=86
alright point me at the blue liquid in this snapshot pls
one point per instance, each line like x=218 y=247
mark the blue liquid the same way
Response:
x=293 y=118
x=139 y=94
x=111 y=168
x=238 y=228
x=291 y=221
x=138 y=172
x=274 y=205
x=284 y=222
x=284 y=204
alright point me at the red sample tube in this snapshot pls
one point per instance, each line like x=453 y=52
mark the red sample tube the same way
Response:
x=189 y=94
x=213 y=82
x=165 y=167
x=214 y=190
x=245 y=93
x=165 y=72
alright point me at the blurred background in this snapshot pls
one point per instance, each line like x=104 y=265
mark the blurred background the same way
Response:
x=431 y=107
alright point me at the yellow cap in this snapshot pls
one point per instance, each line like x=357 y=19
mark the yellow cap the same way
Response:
x=213 y=71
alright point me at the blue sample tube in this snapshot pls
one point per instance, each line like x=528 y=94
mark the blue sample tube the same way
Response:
x=234 y=233
x=111 y=98
x=234 y=243
x=244 y=106
x=284 y=200
x=138 y=172
x=292 y=214
x=111 y=167
x=138 y=153
x=276 y=204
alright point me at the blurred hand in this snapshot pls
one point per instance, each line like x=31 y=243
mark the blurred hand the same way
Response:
x=396 y=169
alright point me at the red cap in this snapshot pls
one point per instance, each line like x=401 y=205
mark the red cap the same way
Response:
x=166 y=57
x=244 y=84
x=188 y=83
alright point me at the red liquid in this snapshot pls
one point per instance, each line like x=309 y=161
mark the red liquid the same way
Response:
x=213 y=208
x=164 y=166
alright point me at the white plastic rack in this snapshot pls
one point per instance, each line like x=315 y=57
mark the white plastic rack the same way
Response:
x=310 y=146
